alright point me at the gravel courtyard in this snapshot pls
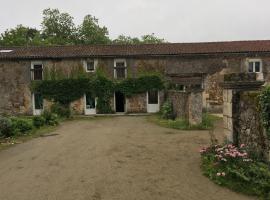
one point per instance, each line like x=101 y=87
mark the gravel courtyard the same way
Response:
x=119 y=158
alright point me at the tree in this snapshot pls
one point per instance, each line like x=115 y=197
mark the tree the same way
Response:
x=21 y=36
x=58 y=28
x=90 y=32
x=145 y=39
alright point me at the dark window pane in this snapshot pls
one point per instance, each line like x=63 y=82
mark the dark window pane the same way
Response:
x=120 y=73
x=153 y=97
x=90 y=66
x=250 y=67
x=38 y=101
x=37 y=72
x=120 y=64
x=90 y=102
x=257 y=66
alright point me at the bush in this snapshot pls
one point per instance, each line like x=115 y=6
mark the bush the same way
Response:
x=61 y=110
x=167 y=110
x=6 y=129
x=38 y=121
x=50 y=118
x=21 y=125
x=232 y=167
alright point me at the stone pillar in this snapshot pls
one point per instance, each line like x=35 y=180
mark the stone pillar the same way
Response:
x=232 y=86
x=195 y=106
x=227 y=114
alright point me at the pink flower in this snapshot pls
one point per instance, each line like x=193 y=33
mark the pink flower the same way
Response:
x=242 y=145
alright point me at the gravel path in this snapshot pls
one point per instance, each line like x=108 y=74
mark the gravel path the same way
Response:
x=120 y=158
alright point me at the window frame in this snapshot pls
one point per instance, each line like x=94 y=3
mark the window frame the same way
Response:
x=254 y=60
x=115 y=68
x=95 y=65
x=33 y=63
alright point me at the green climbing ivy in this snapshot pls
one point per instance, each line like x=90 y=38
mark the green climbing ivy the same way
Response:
x=265 y=108
x=65 y=91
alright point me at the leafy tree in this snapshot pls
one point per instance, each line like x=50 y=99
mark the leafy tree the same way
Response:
x=90 y=32
x=20 y=36
x=145 y=39
x=58 y=28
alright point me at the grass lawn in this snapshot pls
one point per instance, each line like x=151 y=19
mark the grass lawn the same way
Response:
x=182 y=124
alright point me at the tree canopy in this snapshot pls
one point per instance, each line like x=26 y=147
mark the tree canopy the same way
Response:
x=58 y=28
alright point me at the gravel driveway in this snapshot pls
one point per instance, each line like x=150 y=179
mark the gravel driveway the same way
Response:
x=120 y=158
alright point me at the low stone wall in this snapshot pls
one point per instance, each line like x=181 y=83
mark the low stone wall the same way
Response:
x=180 y=103
x=187 y=105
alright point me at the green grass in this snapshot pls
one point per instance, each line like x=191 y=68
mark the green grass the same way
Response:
x=208 y=121
x=34 y=133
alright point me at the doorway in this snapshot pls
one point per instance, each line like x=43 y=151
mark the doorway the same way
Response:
x=120 y=102
x=153 y=101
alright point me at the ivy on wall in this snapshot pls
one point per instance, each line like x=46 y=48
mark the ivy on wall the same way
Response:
x=265 y=109
x=65 y=91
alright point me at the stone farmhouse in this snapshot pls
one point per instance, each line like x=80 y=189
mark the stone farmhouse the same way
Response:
x=196 y=65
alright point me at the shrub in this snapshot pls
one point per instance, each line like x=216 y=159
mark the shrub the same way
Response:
x=61 y=110
x=167 y=110
x=21 y=125
x=50 y=118
x=6 y=129
x=38 y=121
x=232 y=167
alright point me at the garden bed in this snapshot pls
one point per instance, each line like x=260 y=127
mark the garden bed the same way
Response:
x=232 y=167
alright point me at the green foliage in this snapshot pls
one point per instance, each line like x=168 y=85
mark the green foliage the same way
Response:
x=6 y=129
x=21 y=126
x=20 y=36
x=61 y=110
x=38 y=121
x=183 y=124
x=167 y=110
x=65 y=91
x=50 y=118
x=232 y=167
x=264 y=99
x=57 y=27
x=131 y=86
x=145 y=39
x=91 y=33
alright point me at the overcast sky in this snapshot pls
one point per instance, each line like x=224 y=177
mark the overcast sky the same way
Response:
x=173 y=20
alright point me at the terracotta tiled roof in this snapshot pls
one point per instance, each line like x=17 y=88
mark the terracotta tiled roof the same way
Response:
x=135 y=50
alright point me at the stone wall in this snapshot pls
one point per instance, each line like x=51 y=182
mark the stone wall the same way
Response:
x=241 y=116
x=137 y=103
x=180 y=103
x=15 y=96
x=248 y=123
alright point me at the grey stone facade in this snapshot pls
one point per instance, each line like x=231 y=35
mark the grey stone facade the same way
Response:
x=15 y=76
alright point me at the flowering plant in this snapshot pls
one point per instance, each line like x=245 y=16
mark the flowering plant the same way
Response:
x=232 y=167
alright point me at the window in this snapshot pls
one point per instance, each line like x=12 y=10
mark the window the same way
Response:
x=153 y=97
x=37 y=71
x=38 y=101
x=255 y=65
x=90 y=65
x=120 y=70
